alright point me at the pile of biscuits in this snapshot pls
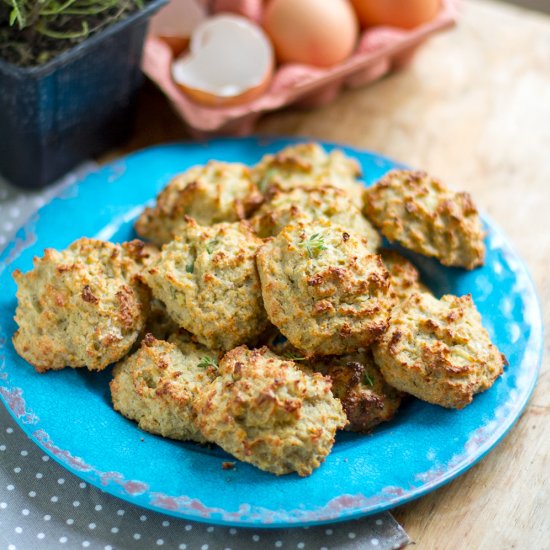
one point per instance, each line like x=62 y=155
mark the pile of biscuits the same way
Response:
x=261 y=314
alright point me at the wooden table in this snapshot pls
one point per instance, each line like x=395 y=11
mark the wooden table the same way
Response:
x=474 y=109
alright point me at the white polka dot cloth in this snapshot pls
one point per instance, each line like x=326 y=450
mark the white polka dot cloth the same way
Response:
x=44 y=506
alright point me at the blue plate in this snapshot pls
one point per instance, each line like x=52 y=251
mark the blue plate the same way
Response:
x=69 y=415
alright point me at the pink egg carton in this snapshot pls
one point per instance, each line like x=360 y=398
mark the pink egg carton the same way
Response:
x=380 y=50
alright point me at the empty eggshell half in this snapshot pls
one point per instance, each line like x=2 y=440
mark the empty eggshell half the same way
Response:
x=230 y=62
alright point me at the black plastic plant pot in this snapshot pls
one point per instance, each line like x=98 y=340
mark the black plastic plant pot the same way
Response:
x=76 y=106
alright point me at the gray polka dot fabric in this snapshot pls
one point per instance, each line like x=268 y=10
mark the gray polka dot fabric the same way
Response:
x=44 y=506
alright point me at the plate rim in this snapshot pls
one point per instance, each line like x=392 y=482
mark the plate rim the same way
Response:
x=346 y=514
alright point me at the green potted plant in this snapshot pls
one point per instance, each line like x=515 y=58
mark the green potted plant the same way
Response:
x=69 y=73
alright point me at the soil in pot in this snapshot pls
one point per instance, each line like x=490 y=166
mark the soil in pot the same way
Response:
x=33 y=32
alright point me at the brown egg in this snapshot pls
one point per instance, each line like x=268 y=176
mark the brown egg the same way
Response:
x=405 y=14
x=313 y=32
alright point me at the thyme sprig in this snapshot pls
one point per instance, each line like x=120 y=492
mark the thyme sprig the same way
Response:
x=47 y=13
x=314 y=245
x=27 y=25
x=210 y=245
x=206 y=362
x=367 y=379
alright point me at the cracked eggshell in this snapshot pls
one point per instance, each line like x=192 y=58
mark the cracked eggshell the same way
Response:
x=230 y=62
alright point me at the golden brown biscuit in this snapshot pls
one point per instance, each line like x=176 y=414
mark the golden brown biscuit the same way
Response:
x=423 y=215
x=438 y=350
x=309 y=165
x=157 y=385
x=80 y=307
x=357 y=382
x=323 y=289
x=217 y=192
x=366 y=397
x=404 y=277
x=265 y=411
x=309 y=204
x=208 y=280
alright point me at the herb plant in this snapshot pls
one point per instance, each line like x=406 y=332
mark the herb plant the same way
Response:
x=34 y=31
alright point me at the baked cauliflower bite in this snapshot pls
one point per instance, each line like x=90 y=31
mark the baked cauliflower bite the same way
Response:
x=80 y=307
x=157 y=385
x=423 y=215
x=438 y=350
x=214 y=193
x=265 y=411
x=404 y=277
x=309 y=204
x=208 y=280
x=323 y=289
x=357 y=382
x=309 y=165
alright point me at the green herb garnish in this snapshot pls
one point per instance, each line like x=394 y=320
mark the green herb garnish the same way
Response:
x=314 y=244
x=368 y=380
x=190 y=267
x=34 y=31
x=210 y=245
x=206 y=362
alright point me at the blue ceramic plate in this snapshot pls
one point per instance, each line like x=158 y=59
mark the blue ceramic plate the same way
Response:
x=69 y=415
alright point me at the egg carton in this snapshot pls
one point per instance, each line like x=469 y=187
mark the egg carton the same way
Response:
x=380 y=50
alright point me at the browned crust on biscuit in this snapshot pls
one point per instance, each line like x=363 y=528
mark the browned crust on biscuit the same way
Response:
x=208 y=280
x=214 y=193
x=265 y=411
x=367 y=398
x=438 y=350
x=79 y=307
x=158 y=384
x=323 y=289
x=425 y=216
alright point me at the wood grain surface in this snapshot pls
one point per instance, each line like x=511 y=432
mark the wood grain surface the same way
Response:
x=474 y=109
